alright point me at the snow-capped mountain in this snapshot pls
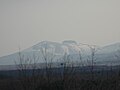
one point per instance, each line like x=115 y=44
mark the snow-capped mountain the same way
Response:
x=107 y=54
x=56 y=51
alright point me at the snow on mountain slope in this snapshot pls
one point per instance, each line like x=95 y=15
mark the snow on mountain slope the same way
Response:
x=54 y=46
x=69 y=47
x=110 y=48
x=104 y=56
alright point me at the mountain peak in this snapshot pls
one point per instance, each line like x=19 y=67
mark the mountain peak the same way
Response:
x=104 y=55
x=69 y=42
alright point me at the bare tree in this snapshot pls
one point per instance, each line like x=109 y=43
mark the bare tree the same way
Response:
x=48 y=55
x=68 y=71
x=93 y=59
x=117 y=56
x=28 y=76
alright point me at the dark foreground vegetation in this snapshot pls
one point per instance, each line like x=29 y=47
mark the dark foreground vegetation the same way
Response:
x=72 y=78
x=29 y=75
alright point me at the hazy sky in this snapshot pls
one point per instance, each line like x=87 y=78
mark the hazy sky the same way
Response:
x=26 y=22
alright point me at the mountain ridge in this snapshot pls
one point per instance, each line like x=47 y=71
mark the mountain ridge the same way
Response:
x=69 y=47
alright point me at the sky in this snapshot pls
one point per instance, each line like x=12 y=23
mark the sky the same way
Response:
x=24 y=23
